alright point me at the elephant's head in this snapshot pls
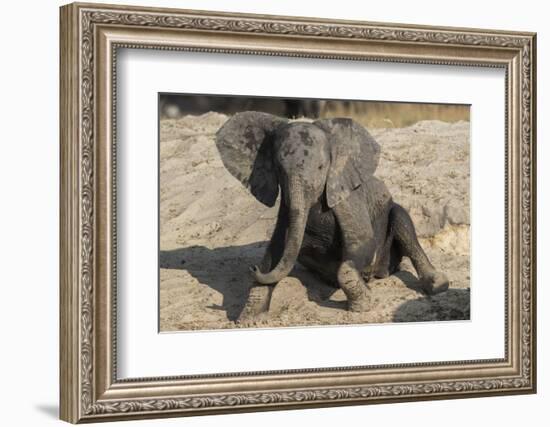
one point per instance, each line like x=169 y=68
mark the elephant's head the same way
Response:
x=330 y=157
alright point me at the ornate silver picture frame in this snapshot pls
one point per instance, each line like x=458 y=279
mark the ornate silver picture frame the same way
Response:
x=91 y=37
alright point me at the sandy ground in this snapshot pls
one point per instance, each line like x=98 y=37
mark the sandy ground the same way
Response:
x=212 y=230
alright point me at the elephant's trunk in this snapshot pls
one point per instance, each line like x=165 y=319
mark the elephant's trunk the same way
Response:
x=296 y=228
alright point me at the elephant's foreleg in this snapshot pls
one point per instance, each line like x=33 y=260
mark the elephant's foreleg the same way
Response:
x=390 y=256
x=257 y=302
x=259 y=295
x=432 y=280
x=382 y=268
x=276 y=246
x=358 y=251
x=354 y=287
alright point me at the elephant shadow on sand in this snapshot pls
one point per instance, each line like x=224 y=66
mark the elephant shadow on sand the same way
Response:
x=225 y=270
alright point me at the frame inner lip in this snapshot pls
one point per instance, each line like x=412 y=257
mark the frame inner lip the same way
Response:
x=287 y=372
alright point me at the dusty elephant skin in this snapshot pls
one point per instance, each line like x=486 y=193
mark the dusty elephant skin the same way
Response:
x=324 y=245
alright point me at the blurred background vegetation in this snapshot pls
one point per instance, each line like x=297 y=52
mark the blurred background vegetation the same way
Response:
x=373 y=114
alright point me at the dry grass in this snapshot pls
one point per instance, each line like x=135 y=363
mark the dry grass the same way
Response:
x=394 y=114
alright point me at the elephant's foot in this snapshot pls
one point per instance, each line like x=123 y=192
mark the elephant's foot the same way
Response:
x=256 y=306
x=354 y=287
x=382 y=273
x=360 y=304
x=434 y=283
x=252 y=320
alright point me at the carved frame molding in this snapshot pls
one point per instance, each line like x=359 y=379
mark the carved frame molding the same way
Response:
x=90 y=36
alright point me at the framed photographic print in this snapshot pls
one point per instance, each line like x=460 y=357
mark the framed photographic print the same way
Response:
x=267 y=212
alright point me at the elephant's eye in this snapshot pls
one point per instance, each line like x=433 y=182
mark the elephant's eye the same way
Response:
x=320 y=167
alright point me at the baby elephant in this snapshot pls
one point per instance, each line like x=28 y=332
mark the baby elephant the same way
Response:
x=335 y=218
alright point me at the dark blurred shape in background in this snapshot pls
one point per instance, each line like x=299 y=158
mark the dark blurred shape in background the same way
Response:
x=369 y=113
x=173 y=106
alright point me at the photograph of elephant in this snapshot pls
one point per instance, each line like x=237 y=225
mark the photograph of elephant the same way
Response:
x=286 y=212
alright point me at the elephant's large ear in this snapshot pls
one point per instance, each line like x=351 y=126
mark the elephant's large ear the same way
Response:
x=354 y=157
x=245 y=146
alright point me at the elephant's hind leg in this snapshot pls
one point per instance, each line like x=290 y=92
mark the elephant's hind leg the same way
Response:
x=433 y=281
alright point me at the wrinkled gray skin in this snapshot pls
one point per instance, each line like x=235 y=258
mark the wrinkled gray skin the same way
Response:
x=335 y=218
